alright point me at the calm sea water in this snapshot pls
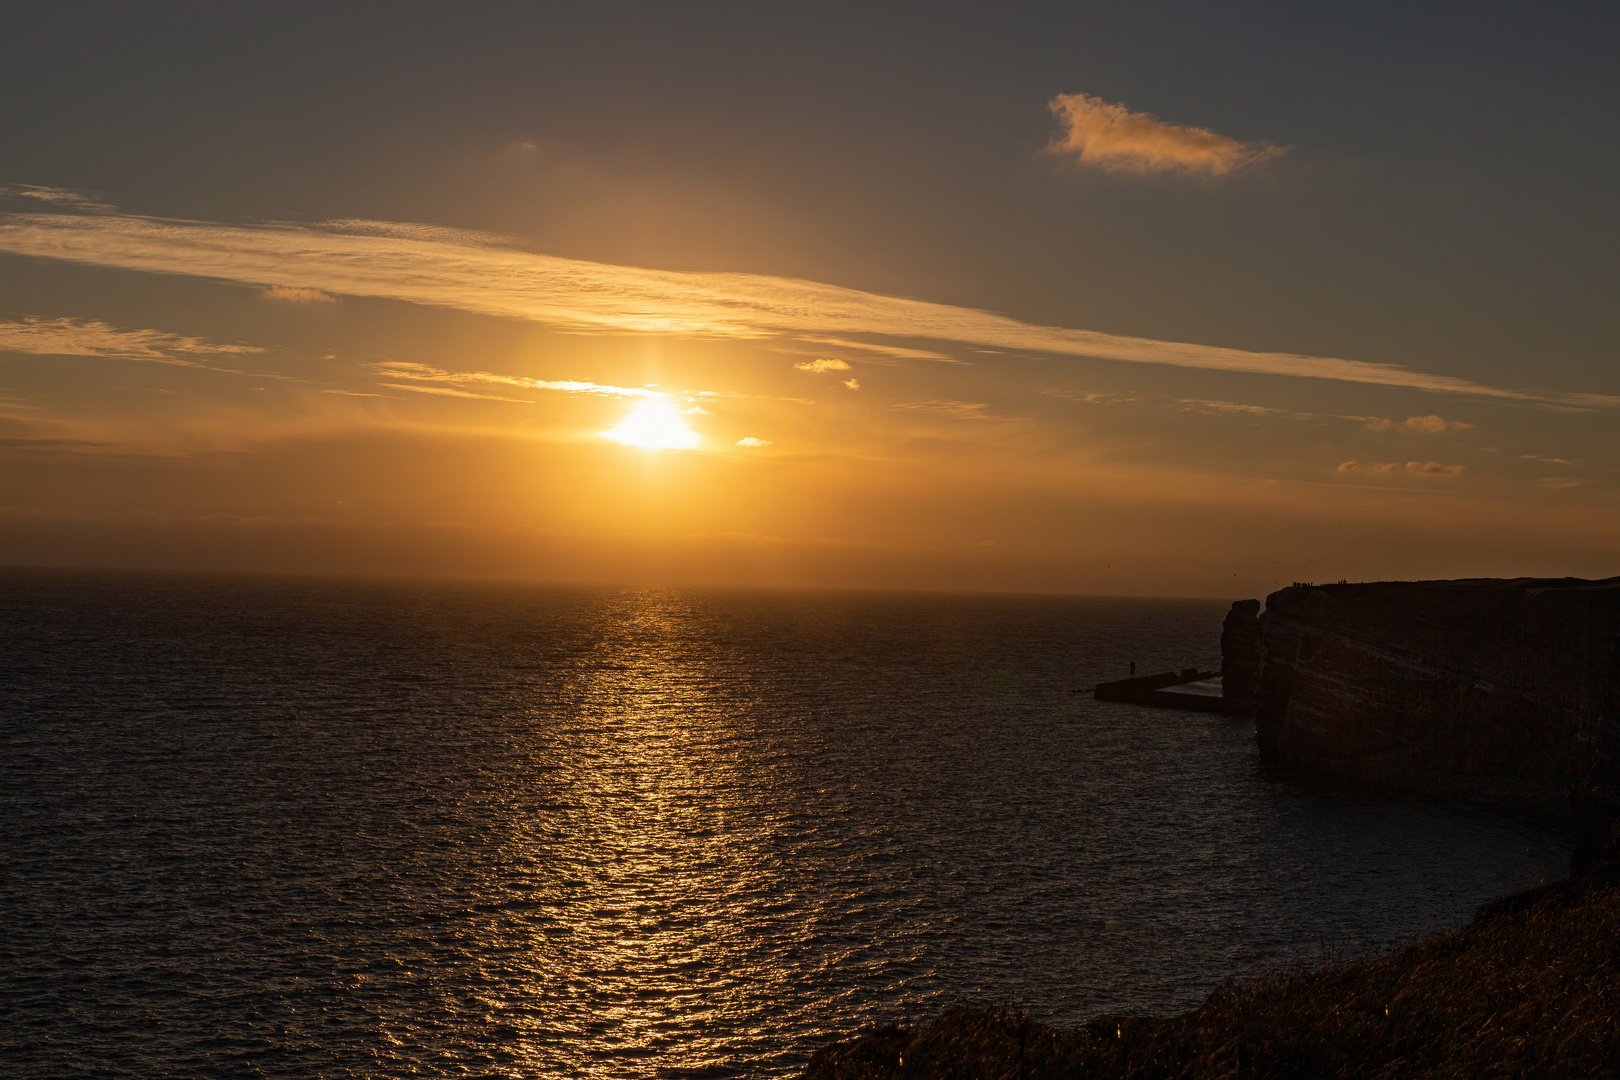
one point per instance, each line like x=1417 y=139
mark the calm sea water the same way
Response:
x=277 y=827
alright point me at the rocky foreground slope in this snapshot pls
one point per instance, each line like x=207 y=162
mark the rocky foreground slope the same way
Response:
x=1530 y=988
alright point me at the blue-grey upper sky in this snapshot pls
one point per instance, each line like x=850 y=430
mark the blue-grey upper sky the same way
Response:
x=1097 y=251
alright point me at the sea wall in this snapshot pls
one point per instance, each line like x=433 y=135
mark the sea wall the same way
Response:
x=1501 y=692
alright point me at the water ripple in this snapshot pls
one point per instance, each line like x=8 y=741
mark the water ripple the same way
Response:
x=273 y=827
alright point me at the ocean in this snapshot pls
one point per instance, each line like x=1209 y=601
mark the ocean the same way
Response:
x=290 y=827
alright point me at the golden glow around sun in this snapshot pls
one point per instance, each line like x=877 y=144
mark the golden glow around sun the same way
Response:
x=654 y=424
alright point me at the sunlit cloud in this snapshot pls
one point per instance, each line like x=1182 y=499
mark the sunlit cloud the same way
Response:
x=851 y=384
x=447 y=391
x=1419 y=425
x=896 y=351
x=400 y=369
x=476 y=272
x=295 y=295
x=749 y=440
x=818 y=367
x=1433 y=425
x=1395 y=468
x=1113 y=138
x=1559 y=483
x=56 y=196
x=1236 y=407
x=90 y=337
x=1540 y=457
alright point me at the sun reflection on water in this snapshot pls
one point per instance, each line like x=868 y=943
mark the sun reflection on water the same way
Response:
x=664 y=803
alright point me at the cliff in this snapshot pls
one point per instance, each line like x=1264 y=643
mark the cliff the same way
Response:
x=1503 y=692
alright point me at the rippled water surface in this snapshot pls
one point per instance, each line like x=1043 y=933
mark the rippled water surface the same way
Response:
x=312 y=828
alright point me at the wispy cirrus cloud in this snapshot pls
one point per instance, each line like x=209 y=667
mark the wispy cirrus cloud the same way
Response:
x=481 y=273
x=1111 y=137
x=90 y=337
x=1396 y=468
x=57 y=196
x=448 y=391
x=895 y=351
x=1093 y=398
x=400 y=369
x=1216 y=407
x=961 y=410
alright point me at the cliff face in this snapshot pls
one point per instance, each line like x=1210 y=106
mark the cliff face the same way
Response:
x=1504 y=692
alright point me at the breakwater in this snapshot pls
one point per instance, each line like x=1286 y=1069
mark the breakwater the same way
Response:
x=1500 y=692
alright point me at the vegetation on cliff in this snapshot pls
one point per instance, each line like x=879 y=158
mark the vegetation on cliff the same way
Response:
x=1530 y=988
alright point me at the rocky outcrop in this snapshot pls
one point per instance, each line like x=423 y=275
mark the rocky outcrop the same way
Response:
x=1503 y=692
x=1240 y=650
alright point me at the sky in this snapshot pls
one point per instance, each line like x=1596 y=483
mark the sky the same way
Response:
x=1158 y=299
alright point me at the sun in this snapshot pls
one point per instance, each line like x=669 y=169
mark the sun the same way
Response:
x=654 y=424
